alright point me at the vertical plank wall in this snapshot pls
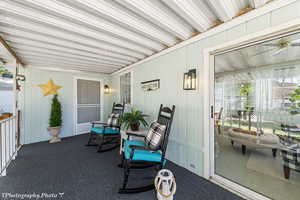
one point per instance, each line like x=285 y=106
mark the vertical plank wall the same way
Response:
x=37 y=107
x=186 y=140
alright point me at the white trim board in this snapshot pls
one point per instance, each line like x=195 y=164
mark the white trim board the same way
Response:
x=273 y=5
x=131 y=84
x=209 y=53
x=228 y=185
x=64 y=70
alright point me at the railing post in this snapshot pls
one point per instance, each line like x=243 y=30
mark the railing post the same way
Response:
x=2 y=147
x=14 y=136
x=7 y=143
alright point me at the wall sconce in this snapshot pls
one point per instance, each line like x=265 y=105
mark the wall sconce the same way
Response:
x=189 y=80
x=20 y=77
x=107 y=89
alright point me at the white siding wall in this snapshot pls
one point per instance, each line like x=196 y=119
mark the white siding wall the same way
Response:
x=186 y=140
x=37 y=107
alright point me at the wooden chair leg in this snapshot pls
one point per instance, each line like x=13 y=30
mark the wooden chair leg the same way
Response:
x=100 y=142
x=274 y=152
x=244 y=149
x=219 y=129
x=126 y=175
x=90 y=140
x=286 y=171
x=121 y=165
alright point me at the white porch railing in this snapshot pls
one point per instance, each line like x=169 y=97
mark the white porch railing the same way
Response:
x=8 y=146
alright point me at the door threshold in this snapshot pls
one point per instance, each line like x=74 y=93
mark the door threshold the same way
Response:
x=237 y=189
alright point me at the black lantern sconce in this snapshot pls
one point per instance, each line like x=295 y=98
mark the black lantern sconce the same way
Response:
x=107 y=89
x=189 y=80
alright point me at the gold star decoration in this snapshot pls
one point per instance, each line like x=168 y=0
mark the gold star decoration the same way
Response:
x=49 y=88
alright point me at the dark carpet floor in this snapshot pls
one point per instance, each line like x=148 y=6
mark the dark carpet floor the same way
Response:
x=80 y=173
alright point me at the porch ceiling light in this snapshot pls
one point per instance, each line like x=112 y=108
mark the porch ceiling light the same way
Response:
x=189 y=80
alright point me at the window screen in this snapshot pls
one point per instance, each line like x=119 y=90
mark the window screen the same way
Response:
x=88 y=101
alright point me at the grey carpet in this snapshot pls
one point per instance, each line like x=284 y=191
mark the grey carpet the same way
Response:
x=83 y=174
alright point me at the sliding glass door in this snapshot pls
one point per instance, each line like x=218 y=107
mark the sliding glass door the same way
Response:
x=257 y=117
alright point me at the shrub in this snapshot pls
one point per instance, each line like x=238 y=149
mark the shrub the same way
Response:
x=55 y=115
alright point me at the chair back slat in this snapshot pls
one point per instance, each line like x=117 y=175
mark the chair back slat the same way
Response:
x=165 y=117
x=118 y=108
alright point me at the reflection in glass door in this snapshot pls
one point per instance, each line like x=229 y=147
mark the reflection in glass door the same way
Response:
x=257 y=118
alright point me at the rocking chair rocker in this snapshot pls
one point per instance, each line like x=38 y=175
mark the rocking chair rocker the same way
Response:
x=139 y=154
x=107 y=134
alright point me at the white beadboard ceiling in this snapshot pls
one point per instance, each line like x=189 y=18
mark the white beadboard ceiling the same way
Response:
x=106 y=35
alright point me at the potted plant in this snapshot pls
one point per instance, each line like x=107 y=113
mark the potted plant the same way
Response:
x=294 y=99
x=133 y=120
x=55 y=120
x=245 y=90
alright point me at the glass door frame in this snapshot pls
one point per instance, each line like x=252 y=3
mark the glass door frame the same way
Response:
x=209 y=81
x=76 y=131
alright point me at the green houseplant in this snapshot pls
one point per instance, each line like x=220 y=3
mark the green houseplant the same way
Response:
x=55 y=120
x=245 y=90
x=294 y=99
x=133 y=120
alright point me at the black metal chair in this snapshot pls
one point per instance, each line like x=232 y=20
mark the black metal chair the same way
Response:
x=107 y=134
x=137 y=154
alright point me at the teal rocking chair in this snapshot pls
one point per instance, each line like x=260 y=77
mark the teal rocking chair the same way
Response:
x=143 y=154
x=107 y=135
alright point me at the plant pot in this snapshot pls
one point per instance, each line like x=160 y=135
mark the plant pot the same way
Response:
x=134 y=127
x=54 y=132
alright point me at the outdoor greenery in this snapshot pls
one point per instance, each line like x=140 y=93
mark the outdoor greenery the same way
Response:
x=55 y=116
x=5 y=73
x=294 y=98
x=133 y=119
x=245 y=90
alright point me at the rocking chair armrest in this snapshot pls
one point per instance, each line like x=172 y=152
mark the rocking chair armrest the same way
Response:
x=129 y=134
x=110 y=126
x=136 y=147
x=97 y=122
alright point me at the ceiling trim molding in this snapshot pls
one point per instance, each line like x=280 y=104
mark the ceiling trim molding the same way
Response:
x=46 y=68
x=273 y=5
